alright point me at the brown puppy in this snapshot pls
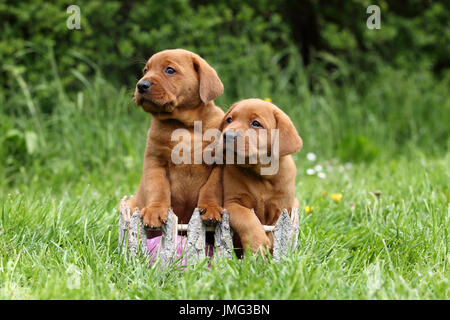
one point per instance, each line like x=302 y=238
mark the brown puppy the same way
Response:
x=177 y=88
x=251 y=196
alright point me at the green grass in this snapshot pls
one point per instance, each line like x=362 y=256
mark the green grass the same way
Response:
x=64 y=171
x=391 y=247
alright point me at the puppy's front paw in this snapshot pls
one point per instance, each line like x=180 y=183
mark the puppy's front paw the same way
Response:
x=154 y=216
x=211 y=214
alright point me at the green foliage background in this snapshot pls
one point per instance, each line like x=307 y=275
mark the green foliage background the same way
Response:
x=294 y=49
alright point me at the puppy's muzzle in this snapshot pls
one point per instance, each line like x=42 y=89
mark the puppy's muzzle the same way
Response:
x=143 y=86
x=229 y=136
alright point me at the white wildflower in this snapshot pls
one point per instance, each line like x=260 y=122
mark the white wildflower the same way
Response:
x=322 y=175
x=311 y=156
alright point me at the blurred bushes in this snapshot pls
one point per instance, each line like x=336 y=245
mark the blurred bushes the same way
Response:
x=247 y=43
x=118 y=37
x=414 y=34
x=352 y=92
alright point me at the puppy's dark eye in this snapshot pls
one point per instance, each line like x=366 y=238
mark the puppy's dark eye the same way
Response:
x=169 y=70
x=145 y=71
x=229 y=120
x=256 y=124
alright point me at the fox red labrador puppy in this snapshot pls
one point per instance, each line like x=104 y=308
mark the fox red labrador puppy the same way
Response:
x=177 y=88
x=255 y=193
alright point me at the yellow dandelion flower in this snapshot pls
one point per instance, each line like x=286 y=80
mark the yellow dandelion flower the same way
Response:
x=268 y=99
x=336 y=197
x=309 y=209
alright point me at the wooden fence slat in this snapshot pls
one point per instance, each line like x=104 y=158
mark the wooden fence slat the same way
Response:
x=132 y=235
x=282 y=236
x=196 y=238
x=168 y=247
x=137 y=237
x=124 y=225
x=223 y=238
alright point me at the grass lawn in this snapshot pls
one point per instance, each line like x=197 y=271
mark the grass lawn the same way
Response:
x=378 y=228
x=365 y=246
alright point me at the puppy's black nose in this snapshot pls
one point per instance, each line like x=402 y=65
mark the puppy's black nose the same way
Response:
x=229 y=135
x=143 y=86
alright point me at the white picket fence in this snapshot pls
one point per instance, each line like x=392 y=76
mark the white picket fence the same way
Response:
x=133 y=237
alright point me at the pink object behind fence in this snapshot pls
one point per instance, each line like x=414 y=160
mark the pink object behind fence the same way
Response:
x=153 y=244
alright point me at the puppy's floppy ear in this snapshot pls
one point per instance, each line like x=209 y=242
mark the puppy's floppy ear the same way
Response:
x=290 y=141
x=210 y=86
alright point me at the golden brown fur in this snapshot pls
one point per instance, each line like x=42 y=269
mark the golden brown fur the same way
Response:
x=253 y=199
x=175 y=102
